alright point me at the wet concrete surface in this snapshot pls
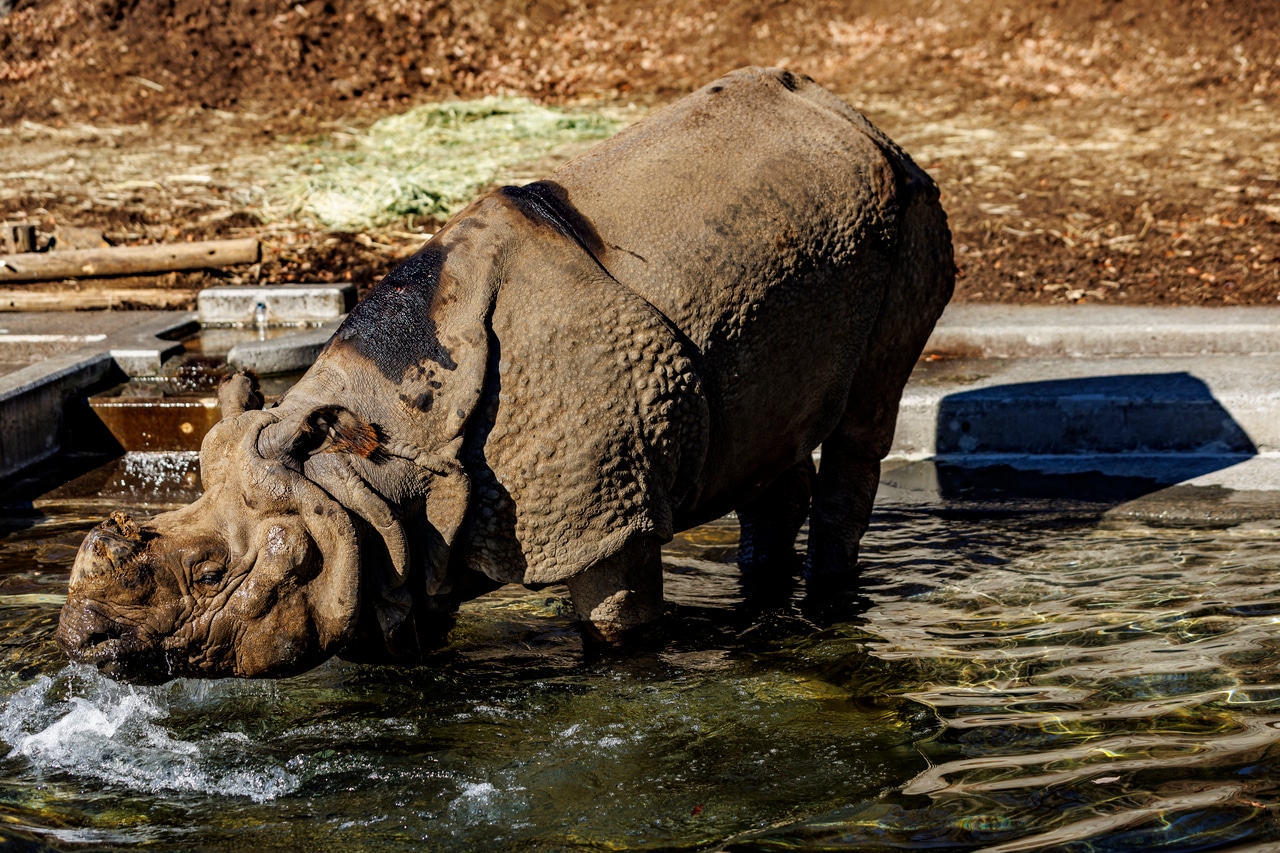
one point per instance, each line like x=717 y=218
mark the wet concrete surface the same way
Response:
x=143 y=339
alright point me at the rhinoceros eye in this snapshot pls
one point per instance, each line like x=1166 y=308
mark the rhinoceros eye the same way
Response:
x=209 y=574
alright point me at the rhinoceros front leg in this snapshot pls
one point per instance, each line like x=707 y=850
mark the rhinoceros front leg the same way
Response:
x=617 y=597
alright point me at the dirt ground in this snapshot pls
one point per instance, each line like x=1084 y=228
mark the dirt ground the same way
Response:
x=1123 y=151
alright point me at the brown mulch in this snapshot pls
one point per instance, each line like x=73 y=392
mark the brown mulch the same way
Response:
x=1100 y=150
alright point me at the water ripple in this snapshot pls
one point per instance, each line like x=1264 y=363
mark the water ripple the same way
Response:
x=1090 y=685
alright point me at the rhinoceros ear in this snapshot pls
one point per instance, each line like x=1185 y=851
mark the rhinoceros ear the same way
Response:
x=447 y=496
x=324 y=429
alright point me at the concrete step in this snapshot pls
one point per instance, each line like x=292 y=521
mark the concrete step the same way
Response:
x=284 y=354
x=1064 y=406
x=275 y=304
x=1092 y=331
x=138 y=341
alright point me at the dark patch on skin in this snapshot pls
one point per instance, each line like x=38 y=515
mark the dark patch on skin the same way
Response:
x=392 y=327
x=548 y=202
x=423 y=402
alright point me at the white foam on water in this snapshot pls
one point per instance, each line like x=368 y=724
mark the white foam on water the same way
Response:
x=486 y=803
x=85 y=724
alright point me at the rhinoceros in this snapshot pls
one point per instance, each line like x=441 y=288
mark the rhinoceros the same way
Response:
x=564 y=376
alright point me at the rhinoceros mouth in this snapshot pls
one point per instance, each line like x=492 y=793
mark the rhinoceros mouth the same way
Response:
x=114 y=658
x=118 y=651
x=135 y=671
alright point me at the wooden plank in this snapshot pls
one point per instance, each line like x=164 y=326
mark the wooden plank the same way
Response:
x=128 y=260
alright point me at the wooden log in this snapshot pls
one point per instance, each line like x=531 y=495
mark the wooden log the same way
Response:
x=128 y=260
x=24 y=299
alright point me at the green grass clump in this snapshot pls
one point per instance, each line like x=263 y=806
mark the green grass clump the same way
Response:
x=432 y=160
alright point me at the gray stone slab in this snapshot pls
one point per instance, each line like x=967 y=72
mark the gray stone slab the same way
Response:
x=140 y=341
x=29 y=337
x=281 y=304
x=1018 y=331
x=285 y=354
x=153 y=338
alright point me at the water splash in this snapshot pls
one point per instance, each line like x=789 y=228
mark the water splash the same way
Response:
x=82 y=723
x=484 y=802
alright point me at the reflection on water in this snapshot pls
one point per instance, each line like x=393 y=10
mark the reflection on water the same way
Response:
x=1032 y=682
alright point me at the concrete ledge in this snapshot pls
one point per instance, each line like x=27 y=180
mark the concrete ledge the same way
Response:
x=1020 y=331
x=1170 y=490
x=1190 y=404
x=284 y=354
x=33 y=403
x=140 y=341
x=150 y=341
x=312 y=303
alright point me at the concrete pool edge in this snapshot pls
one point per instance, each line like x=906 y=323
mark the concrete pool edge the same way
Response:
x=1155 y=490
x=1103 y=331
x=1220 y=364
x=34 y=399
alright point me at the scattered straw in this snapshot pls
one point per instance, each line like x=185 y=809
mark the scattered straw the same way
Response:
x=429 y=161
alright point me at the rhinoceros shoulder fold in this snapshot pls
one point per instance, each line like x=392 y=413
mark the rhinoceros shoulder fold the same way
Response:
x=592 y=428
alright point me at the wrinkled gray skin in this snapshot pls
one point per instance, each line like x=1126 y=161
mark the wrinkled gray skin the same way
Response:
x=560 y=379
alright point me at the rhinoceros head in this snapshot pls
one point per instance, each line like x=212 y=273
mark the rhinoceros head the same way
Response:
x=262 y=575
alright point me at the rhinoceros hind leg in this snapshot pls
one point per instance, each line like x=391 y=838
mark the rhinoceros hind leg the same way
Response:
x=617 y=599
x=919 y=286
x=769 y=524
x=844 y=493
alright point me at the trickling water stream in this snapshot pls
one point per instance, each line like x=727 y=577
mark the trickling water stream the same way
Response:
x=1020 y=680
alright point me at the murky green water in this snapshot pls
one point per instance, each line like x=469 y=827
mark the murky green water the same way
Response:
x=1020 y=681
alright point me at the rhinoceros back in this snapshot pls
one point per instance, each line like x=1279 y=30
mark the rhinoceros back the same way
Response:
x=760 y=216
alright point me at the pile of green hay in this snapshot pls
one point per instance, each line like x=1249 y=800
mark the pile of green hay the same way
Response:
x=430 y=161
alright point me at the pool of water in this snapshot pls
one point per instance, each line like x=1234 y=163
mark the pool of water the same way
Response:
x=1012 y=678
